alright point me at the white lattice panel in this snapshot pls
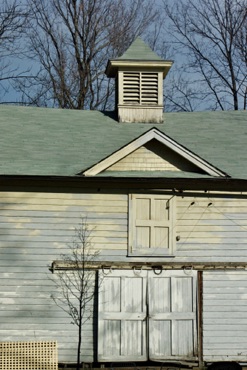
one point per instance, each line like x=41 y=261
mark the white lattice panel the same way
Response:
x=28 y=356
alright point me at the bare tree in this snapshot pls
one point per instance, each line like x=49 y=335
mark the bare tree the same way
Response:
x=75 y=282
x=13 y=16
x=241 y=45
x=210 y=38
x=72 y=40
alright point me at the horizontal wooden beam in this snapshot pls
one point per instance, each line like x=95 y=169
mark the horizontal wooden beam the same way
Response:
x=158 y=267
x=104 y=183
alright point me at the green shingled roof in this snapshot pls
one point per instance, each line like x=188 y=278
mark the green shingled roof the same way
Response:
x=44 y=141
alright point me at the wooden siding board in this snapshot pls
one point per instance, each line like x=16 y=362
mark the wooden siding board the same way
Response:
x=68 y=221
x=222 y=330
x=219 y=275
x=210 y=247
x=61 y=195
x=66 y=214
x=226 y=308
x=57 y=228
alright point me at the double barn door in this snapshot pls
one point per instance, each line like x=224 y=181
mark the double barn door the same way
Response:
x=147 y=315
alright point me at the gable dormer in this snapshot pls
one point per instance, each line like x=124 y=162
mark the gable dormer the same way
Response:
x=139 y=75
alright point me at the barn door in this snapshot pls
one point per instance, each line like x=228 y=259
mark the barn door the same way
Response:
x=122 y=316
x=172 y=315
x=147 y=315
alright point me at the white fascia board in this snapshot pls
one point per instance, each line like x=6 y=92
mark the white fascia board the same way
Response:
x=142 y=140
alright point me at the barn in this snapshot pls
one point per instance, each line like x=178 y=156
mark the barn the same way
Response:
x=165 y=198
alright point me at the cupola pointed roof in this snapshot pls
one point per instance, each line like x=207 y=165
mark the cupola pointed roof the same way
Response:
x=138 y=55
x=138 y=50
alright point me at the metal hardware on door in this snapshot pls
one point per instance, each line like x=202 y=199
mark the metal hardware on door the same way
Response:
x=157 y=270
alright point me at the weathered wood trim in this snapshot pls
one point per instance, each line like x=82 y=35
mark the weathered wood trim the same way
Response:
x=108 y=265
x=145 y=114
x=200 y=318
x=128 y=65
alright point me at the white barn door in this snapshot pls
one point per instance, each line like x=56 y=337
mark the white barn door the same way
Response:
x=122 y=317
x=172 y=315
x=143 y=315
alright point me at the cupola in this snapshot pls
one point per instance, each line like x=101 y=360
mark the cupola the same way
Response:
x=139 y=75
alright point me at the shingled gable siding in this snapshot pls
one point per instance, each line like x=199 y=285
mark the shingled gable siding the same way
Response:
x=143 y=159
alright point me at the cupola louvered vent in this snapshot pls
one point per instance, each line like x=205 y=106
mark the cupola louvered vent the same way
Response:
x=140 y=88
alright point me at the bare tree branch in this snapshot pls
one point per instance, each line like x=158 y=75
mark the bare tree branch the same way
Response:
x=209 y=33
x=13 y=17
x=72 y=41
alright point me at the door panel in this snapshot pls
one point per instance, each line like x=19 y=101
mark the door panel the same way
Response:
x=182 y=338
x=122 y=317
x=159 y=342
x=172 y=315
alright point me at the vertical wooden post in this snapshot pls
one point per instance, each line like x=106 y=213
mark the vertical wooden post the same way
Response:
x=200 y=319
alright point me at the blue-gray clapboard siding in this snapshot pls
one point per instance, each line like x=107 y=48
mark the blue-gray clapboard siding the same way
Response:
x=208 y=228
x=225 y=316
x=35 y=229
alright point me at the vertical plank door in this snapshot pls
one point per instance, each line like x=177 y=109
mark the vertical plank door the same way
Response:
x=122 y=316
x=172 y=315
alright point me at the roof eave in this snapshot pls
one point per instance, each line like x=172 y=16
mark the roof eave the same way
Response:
x=9 y=183
x=114 y=64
